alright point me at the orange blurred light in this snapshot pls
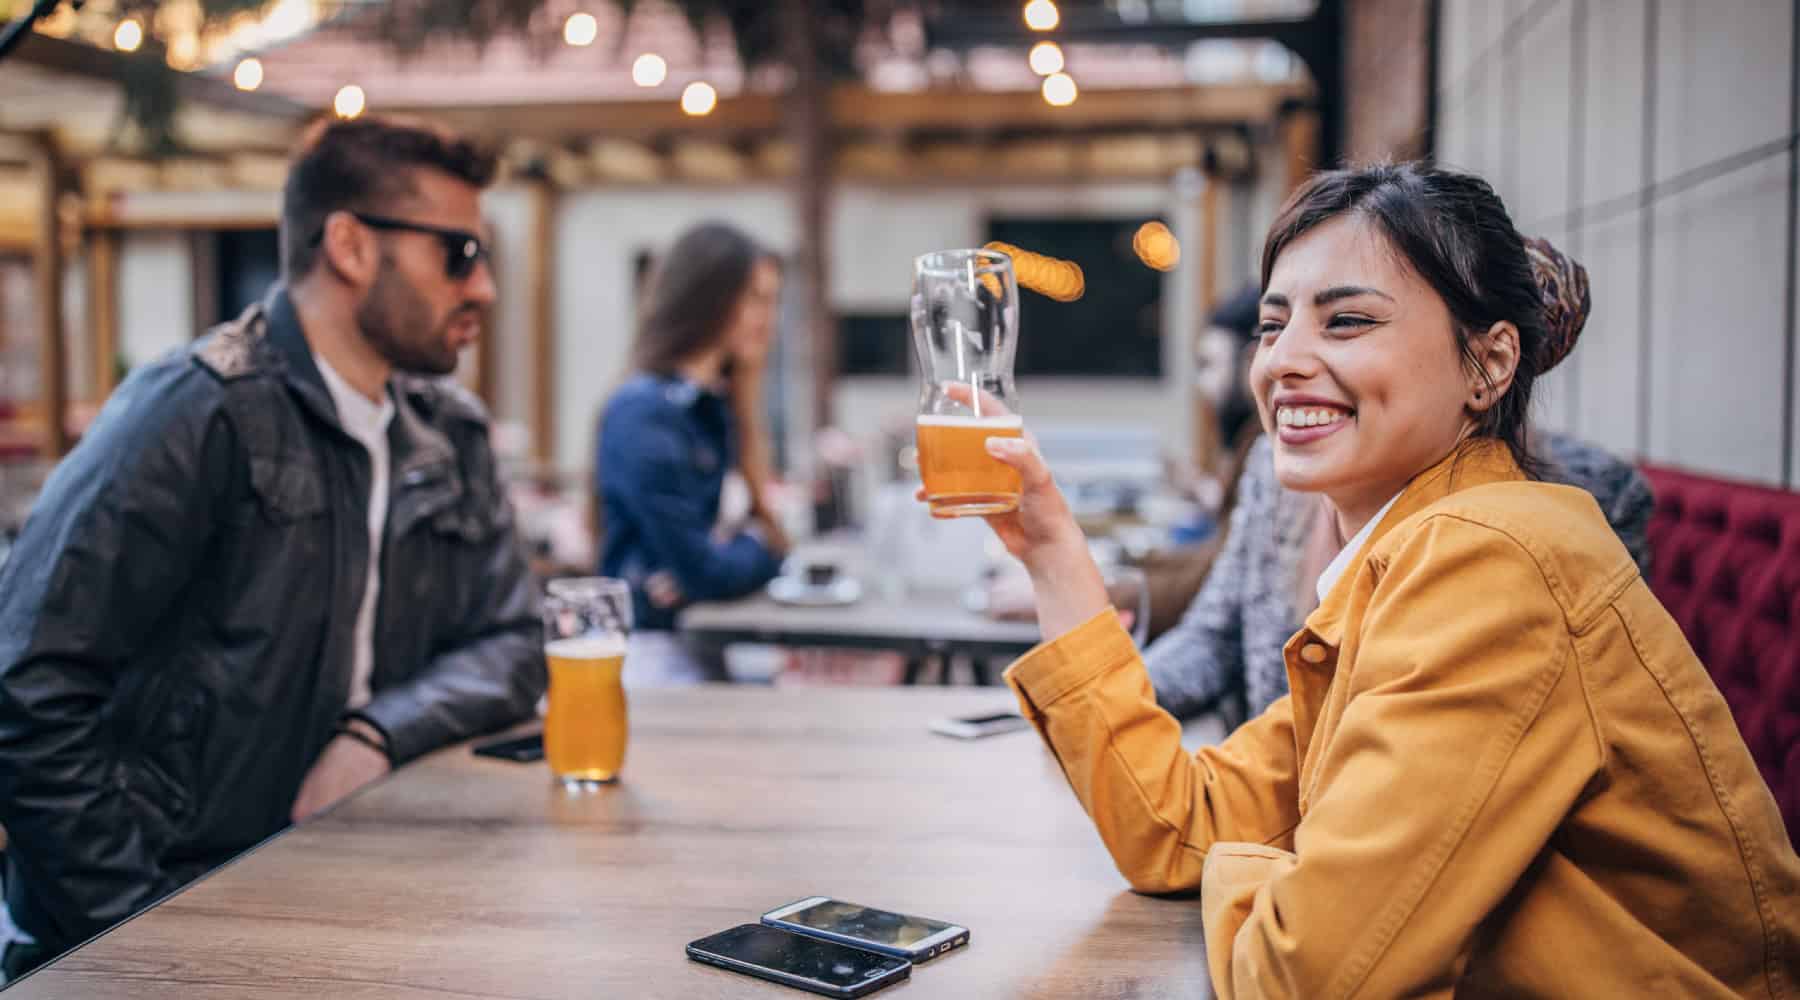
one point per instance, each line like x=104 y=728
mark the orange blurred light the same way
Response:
x=1059 y=90
x=1156 y=246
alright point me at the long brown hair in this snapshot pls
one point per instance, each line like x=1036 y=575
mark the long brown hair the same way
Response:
x=691 y=293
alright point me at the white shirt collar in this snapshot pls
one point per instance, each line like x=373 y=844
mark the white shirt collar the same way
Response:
x=1341 y=561
x=362 y=417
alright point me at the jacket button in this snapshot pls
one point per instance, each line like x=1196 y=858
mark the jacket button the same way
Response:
x=1313 y=653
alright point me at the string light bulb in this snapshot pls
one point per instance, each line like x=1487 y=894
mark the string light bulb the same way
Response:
x=649 y=70
x=129 y=35
x=1046 y=58
x=699 y=98
x=350 y=101
x=1041 y=15
x=249 y=74
x=1060 y=90
x=581 y=29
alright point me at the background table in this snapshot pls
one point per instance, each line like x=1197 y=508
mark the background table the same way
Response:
x=474 y=878
x=918 y=625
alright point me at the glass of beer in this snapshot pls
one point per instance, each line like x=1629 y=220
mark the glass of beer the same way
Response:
x=586 y=623
x=965 y=319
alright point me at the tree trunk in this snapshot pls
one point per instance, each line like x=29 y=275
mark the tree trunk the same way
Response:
x=807 y=121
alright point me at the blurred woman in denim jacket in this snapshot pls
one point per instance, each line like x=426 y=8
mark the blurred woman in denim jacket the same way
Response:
x=689 y=415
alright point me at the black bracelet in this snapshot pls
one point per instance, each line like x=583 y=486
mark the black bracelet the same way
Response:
x=344 y=728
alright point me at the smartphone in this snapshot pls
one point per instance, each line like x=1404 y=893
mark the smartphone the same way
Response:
x=523 y=750
x=916 y=939
x=974 y=727
x=806 y=963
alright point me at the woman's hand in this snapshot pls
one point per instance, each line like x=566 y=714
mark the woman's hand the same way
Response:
x=1042 y=533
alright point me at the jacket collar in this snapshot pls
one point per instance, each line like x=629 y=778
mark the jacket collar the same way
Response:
x=418 y=447
x=1474 y=462
x=288 y=340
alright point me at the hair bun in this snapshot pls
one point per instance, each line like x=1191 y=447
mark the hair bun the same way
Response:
x=1563 y=289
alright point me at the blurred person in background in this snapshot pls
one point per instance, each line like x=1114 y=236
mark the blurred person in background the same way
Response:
x=1502 y=770
x=689 y=415
x=1226 y=425
x=277 y=566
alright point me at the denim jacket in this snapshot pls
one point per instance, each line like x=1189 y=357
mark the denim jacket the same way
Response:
x=665 y=447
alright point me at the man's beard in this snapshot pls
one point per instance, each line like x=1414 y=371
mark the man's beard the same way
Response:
x=398 y=323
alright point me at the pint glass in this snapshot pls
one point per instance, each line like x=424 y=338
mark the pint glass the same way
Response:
x=965 y=318
x=586 y=623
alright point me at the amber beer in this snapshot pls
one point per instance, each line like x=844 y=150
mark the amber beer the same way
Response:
x=585 y=729
x=961 y=478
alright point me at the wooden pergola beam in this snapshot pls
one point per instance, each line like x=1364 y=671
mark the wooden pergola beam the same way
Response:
x=855 y=107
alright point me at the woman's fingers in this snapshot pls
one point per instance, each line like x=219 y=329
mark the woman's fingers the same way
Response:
x=1022 y=455
x=988 y=406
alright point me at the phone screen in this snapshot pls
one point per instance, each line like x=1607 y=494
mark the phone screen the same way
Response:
x=796 y=954
x=879 y=926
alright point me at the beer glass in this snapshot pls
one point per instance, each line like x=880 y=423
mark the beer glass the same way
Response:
x=965 y=319
x=586 y=623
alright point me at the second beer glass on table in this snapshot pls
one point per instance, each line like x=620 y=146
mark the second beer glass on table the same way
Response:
x=587 y=622
x=965 y=318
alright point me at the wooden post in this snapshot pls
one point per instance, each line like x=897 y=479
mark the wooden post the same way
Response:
x=103 y=307
x=540 y=270
x=1209 y=244
x=48 y=266
x=1300 y=140
x=808 y=127
x=1206 y=446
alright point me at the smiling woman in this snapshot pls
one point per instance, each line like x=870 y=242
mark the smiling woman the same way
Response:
x=1499 y=751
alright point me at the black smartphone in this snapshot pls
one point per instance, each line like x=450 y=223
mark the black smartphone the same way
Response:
x=917 y=939
x=524 y=749
x=823 y=967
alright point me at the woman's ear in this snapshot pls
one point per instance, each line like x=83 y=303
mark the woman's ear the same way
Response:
x=1496 y=360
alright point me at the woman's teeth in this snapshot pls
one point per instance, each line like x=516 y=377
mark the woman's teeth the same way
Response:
x=1308 y=416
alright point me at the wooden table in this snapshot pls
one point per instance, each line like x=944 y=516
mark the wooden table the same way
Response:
x=918 y=625
x=472 y=878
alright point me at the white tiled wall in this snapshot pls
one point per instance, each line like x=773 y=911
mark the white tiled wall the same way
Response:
x=1717 y=324
x=1691 y=370
x=1722 y=79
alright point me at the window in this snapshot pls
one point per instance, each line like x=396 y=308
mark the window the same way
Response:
x=1115 y=328
x=874 y=343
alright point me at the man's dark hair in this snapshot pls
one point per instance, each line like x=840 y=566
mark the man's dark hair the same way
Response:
x=361 y=165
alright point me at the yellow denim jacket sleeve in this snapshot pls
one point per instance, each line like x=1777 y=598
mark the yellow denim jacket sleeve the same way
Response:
x=1158 y=808
x=1430 y=771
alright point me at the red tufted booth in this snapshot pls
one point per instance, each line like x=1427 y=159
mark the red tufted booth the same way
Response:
x=1725 y=561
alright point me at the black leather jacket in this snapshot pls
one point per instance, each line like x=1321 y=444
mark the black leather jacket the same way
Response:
x=176 y=617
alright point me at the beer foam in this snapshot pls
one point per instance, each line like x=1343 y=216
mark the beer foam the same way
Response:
x=937 y=420
x=586 y=647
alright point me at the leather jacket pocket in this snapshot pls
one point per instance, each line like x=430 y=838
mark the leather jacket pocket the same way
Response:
x=162 y=760
x=287 y=488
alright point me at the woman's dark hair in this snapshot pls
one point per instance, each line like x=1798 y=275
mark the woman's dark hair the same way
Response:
x=1453 y=231
x=691 y=293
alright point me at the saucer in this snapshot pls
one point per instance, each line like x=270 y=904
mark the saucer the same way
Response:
x=792 y=590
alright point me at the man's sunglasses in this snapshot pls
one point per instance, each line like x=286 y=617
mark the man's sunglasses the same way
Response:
x=462 y=249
